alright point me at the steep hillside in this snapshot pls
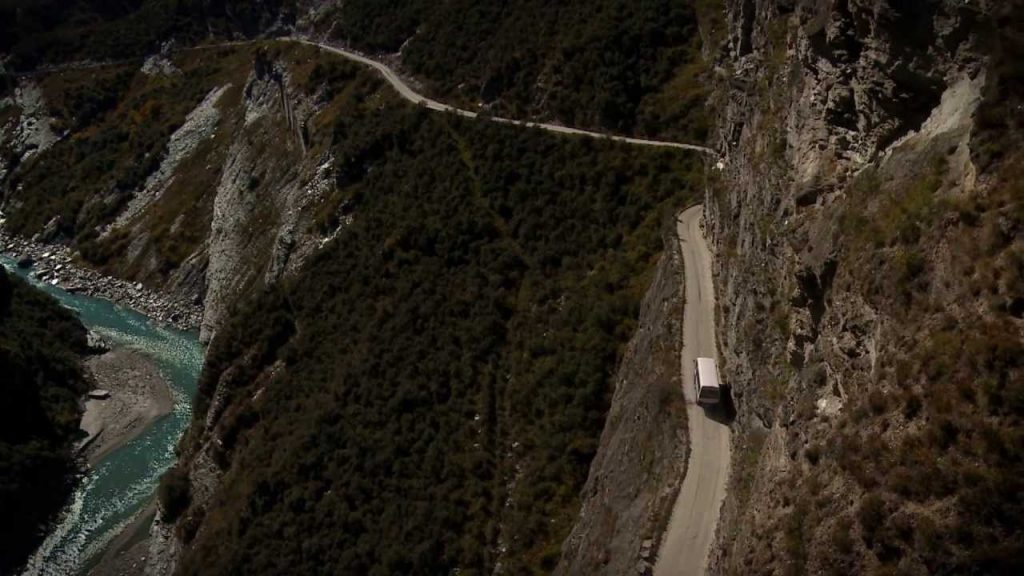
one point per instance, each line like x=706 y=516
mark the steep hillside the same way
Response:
x=427 y=392
x=41 y=345
x=367 y=253
x=631 y=67
x=200 y=172
x=868 y=233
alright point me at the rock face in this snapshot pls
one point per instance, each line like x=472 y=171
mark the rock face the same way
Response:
x=56 y=265
x=200 y=125
x=225 y=209
x=265 y=193
x=31 y=132
x=850 y=221
x=639 y=466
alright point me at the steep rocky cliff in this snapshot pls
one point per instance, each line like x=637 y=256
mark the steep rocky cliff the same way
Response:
x=636 y=474
x=197 y=171
x=869 y=271
x=217 y=172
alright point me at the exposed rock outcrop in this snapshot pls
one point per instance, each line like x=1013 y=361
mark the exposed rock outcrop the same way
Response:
x=849 y=201
x=56 y=265
x=226 y=209
x=32 y=133
x=199 y=125
x=639 y=466
x=266 y=188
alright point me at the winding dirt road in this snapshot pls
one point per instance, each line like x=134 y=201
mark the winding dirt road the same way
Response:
x=411 y=95
x=684 y=546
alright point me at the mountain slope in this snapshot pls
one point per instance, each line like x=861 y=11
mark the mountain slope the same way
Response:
x=630 y=67
x=41 y=345
x=450 y=352
x=868 y=231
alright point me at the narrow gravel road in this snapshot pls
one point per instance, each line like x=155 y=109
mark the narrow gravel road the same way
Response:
x=684 y=547
x=411 y=95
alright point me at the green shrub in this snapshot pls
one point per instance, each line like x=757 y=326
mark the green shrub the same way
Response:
x=462 y=328
x=871 y=515
x=174 y=493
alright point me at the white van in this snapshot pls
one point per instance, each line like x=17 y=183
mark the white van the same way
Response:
x=705 y=381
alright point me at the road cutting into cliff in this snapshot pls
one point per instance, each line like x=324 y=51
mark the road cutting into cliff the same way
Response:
x=408 y=93
x=685 y=544
x=411 y=95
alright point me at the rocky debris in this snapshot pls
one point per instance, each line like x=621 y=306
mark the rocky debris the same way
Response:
x=645 y=430
x=164 y=548
x=199 y=126
x=33 y=134
x=96 y=343
x=56 y=265
x=51 y=231
x=160 y=64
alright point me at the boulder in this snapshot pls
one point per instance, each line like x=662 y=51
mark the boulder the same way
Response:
x=96 y=343
x=99 y=394
x=26 y=261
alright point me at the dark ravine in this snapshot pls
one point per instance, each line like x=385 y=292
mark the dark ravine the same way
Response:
x=42 y=350
x=141 y=420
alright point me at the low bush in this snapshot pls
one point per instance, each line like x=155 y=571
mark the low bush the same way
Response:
x=174 y=493
x=871 y=515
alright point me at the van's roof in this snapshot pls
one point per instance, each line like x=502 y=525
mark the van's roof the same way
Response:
x=708 y=372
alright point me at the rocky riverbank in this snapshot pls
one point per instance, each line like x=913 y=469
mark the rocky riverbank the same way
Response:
x=55 y=264
x=136 y=395
x=126 y=555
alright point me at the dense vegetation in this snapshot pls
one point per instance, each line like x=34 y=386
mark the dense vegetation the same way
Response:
x=620 y=65
x=58 y=31
x=428 y=393
x=118 y=122
x=617 y=65
x=40 y=348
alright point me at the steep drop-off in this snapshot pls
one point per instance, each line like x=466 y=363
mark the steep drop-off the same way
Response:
x=427 y=393
x=870 y=280
x=200 y=172
x=452 y=298
x=613 y=65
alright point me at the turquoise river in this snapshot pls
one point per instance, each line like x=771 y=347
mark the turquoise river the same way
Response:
x=110 y=494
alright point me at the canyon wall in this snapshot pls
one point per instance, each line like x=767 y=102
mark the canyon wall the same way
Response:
x=866 y=227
